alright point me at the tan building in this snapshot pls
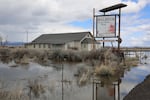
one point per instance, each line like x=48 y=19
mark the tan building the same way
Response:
x=64 y=41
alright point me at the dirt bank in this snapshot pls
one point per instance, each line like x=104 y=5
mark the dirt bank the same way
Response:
x=141 y=91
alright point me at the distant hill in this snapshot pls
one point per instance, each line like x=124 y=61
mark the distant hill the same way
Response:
x=14 y=44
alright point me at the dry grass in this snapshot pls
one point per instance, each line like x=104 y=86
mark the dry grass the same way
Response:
x=104 y=70
x=84 y=78
x=83 y=75
x=36 y=88
x=22 y=55
x=16 y=94
x=131 y=61
x=67 y=56
x=99 y=57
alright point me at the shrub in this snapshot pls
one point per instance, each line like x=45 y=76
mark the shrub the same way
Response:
x=57 y=56
x=68 y=56
x=104 y=70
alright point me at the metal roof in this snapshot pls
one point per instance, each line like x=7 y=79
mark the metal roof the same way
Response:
x=60 y=38
x=117 y=6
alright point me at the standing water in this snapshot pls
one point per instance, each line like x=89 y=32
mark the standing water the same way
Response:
x=37 y=82
x=134 y=76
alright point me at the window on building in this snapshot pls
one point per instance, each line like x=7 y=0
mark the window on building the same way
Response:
x=39 y=45
x=84 y=45
x=33 y=45
x=49 y=46
x=43 y=45
x=57 y=46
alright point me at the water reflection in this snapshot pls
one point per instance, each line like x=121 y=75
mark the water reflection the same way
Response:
x=133 y=77
x=40 y=83
x=108 y=87
x=107 y=92
x=117 y=86
x=35 y=82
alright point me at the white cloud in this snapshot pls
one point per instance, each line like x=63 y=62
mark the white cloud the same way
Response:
x=135 y=6
x=136 y=42
x=46 y=16
x=135 y=29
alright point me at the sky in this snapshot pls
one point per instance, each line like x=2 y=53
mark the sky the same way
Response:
x=20 y=19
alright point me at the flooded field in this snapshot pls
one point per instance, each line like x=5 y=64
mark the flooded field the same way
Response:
x=37 y=82
x=104 y=74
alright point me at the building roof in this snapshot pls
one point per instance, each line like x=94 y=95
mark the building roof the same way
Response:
x=88 y=40
x=60 y=38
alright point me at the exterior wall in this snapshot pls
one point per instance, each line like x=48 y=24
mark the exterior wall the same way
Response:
x=45 y=46
x=98 y=46
x=71 y=45
x=77 y=44
x=86 y=47
x=38 y=46
x=58 y=46
x=74 y=45
x=29 y=46
x=90 y=47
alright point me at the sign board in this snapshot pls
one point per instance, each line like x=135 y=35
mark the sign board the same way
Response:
x=105 y=26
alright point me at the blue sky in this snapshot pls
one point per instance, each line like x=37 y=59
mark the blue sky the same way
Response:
x=58 y=16
x=137 y=38
x=84 y=24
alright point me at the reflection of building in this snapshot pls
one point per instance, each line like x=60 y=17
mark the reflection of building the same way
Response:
x=65 y=41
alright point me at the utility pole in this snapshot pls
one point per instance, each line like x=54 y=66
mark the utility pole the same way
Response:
x=119 y=39
x=62 y=82
x=93 y=27
x=27 y=35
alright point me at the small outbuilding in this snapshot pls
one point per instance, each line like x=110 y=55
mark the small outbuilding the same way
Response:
x=64 y=41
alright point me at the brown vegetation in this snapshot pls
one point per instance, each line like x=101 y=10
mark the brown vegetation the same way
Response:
x=36 y=88
x=104 y=62
x=24 y=56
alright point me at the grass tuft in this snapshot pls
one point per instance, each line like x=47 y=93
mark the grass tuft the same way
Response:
x=104 y=70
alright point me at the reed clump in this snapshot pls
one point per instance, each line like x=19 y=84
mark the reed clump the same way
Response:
x=16 y=94
x=132 y=61
x=36 y=88
x=67 y=56
x=84 y=75
x=104 y=70
x=103 y=56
